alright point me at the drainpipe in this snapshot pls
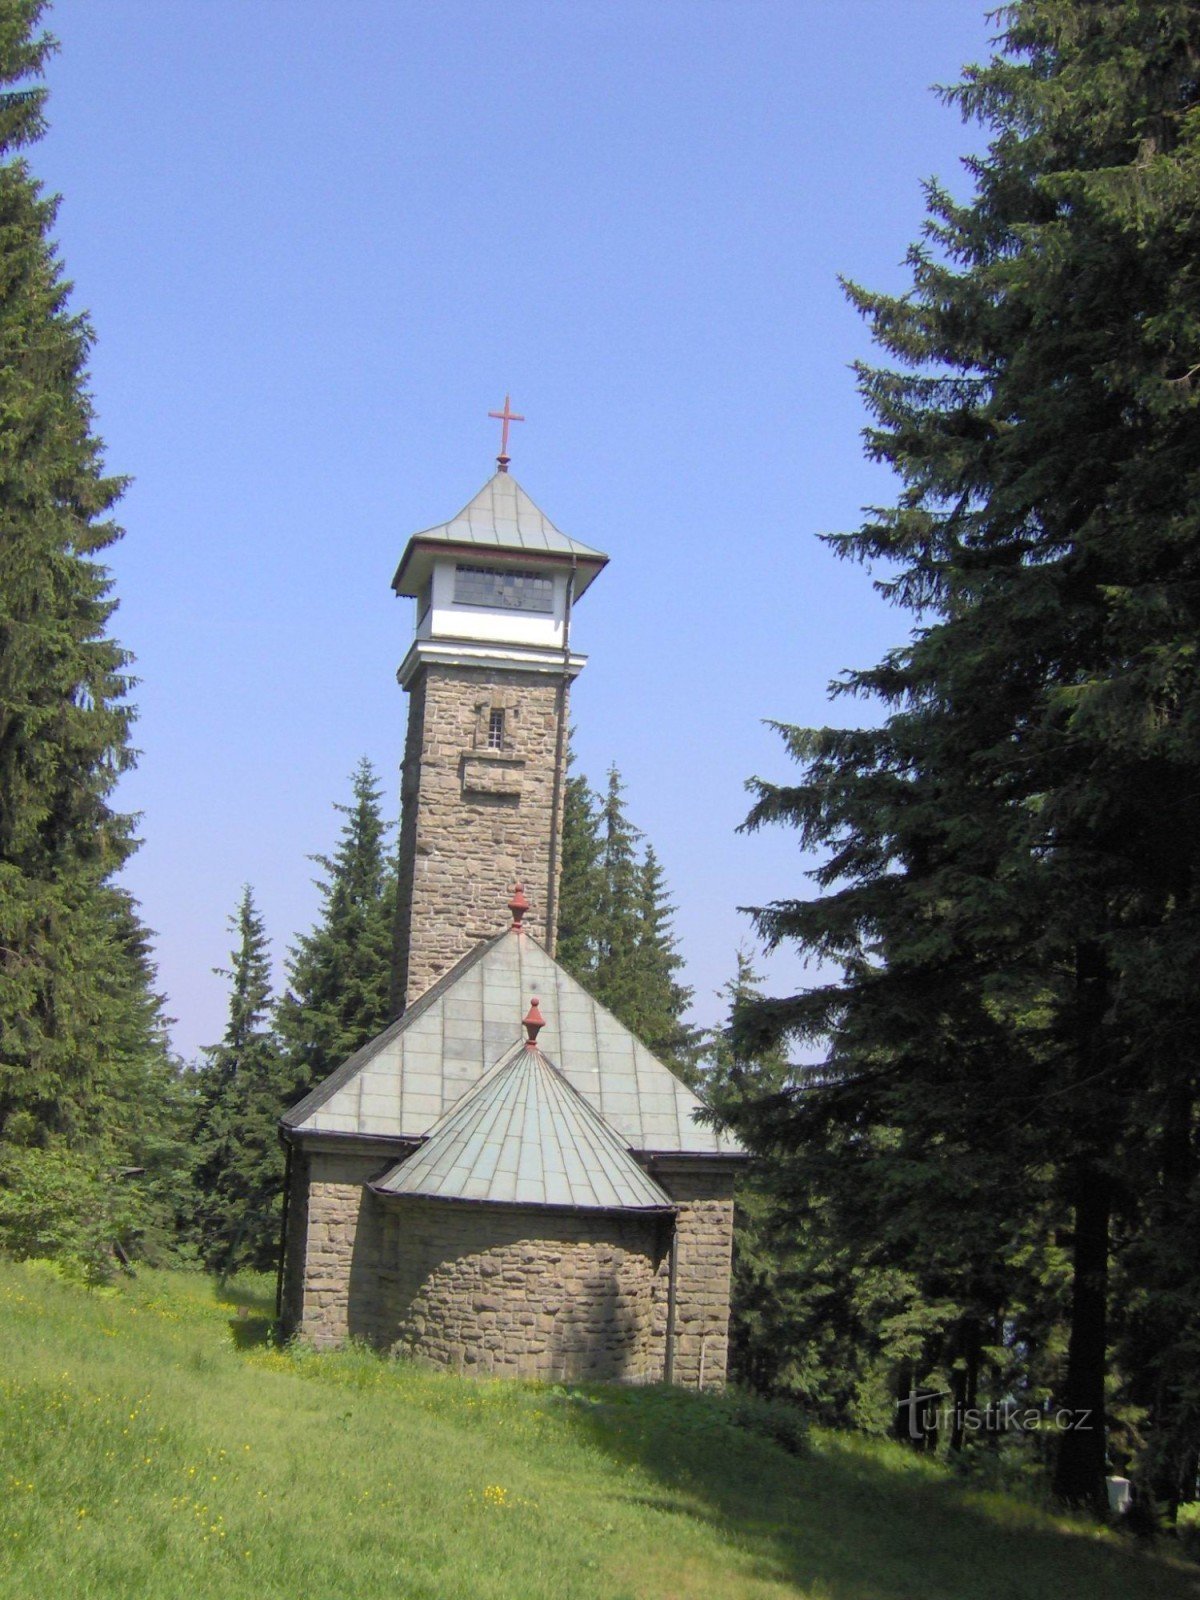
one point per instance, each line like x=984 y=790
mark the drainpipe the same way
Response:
x=560 y=755
x=672 y=1271
x=283 y=1222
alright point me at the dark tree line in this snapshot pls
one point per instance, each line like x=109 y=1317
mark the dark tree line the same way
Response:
x=614 y=931
x=1006 y=1118
x=274 y=1051
x=106 y=1141
x=87 y=1088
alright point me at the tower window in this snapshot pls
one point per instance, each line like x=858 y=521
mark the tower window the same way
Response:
x=495 y=733
x=502 y=588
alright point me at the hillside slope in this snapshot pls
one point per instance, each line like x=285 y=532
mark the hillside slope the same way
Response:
x=149 y=1447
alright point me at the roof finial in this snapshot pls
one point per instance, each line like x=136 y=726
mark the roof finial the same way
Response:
x=533 y=1023
x=518 y=905
x=505 y=417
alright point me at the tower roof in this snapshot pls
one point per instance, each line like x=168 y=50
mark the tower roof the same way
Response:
x=401 y=1083
x=501 y=517
x=524 y=1136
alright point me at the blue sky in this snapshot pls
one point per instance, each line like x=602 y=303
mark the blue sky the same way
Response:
x=319 y=243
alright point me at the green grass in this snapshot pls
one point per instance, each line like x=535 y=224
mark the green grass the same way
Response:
x=150 y=1445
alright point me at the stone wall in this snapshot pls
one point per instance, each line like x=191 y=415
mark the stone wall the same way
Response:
x=522 y=1293
x=704 y=1258
x=336 y=1238
x=473 y=821
x=295 y=1242
x=494 y=1289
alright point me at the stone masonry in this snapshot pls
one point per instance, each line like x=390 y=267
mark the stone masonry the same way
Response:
x=474 y=821
x=504 y=1290
x=704 y=1253
x=338 y=1294
x=296 y=1240
x=520 y=1292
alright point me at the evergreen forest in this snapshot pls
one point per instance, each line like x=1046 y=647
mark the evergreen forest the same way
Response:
x=988 y=1186
x=972 y=1216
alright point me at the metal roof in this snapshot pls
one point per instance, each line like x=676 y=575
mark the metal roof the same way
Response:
x=501 y=517
x=523 y=1136
x=403 y=1081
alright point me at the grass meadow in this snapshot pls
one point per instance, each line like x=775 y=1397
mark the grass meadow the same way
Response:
x=151 y=1444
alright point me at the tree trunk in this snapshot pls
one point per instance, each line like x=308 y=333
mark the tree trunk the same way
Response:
x=1172 y=1460
x=1080 y=1466
x=966 y=1379
x=1079 y=1471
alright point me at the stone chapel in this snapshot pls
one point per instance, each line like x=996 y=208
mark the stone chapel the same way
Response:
x=505 y=1181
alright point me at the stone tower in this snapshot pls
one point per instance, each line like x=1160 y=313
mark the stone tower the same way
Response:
x=488 y=677
x=556 y=1207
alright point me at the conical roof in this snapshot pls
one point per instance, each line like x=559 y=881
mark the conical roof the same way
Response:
x=501 y=517
x=523 y=1136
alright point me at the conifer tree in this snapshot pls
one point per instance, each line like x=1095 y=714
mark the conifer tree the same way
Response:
x=615 y=934
x=339 y=974
x=580 y=885
x=68 y=989
x=1011 y=888
x=238 y=1170
x=662 y=999
x=615 y=972
x=148 y=1106
x=869 y=1264
x=771 y=1267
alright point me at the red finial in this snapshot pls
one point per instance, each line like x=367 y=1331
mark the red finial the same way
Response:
x=505 y=417
x=533 y=1024
x=518 y=905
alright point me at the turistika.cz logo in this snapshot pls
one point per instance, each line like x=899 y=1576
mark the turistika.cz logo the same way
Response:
x=921 y=1414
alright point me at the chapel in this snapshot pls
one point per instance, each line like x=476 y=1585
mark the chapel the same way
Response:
x=505 y=1181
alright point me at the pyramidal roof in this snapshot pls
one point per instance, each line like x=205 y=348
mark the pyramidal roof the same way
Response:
x=409 y=1076
x=523 y=1136
x=500 y=517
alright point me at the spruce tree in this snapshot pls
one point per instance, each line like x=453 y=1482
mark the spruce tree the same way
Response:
x=238 y=1168
x=581 y=882
x=339 y=974
x=767 y=1350
x=1011 y=884
x=148 y=1108
x=859 y=1255
x=615 y=936
x=68 y=990
x=662 y=999
x=615 y=973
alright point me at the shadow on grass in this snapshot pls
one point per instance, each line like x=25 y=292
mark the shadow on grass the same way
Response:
x=250 y=1333
x=856 y=1520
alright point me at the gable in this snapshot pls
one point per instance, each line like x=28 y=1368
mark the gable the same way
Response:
x=407 y=1078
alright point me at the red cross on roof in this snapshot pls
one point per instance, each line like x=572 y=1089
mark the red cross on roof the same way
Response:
x=505 y=417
